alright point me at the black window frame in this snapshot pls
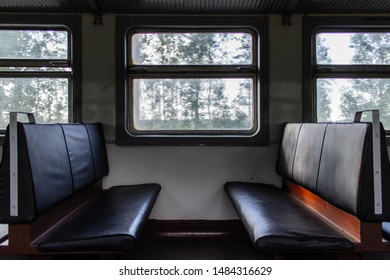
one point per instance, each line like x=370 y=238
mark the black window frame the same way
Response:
x=311 y=71
x=69 y=23
x=125 y=26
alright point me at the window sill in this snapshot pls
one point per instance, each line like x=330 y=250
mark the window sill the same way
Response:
x=125 y=139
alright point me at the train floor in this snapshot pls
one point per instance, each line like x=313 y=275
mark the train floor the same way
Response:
x=200 y=249
x=214 y=249
x=185 y=245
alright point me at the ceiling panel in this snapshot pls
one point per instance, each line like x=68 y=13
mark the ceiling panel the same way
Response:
x=44 y=5
x=197 y=6
x=192 y=6
x=344 y=6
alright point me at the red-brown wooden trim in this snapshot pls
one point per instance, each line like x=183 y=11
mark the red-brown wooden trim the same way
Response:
x=23 y=238
x=346 y=222
x=365 y=236
x=19 y=241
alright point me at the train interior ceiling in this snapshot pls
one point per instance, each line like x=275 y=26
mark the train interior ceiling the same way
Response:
x=193 y=217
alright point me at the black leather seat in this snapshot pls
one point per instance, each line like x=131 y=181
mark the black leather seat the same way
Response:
x=333 y=161
x=275 y=222
x=112 y=221
x=56 y=162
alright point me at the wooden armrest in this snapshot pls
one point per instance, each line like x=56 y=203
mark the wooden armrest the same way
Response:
x=366 y=236
x=24 y=238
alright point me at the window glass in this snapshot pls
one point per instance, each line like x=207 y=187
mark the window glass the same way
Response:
x=192 y=83
x=350 y=73
x=33 y=44
x=206 y=48
x=47 y=98
x=356 y=48
x=35 y=74
x=339 y=98
x=192 y=80
x=218 y=104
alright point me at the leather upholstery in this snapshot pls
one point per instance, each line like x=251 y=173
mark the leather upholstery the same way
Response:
x=112 y=221
x=55 y=161
x=275 y=222
x=342 y=161
x=287 y=148
x=308 y=154
x=332 y=160
x=49 y=163
x=98 y=149
x=80 y=155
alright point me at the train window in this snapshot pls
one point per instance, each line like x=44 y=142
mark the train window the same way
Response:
x=192 y=84
x=352 y=48
x=349 y=68
x=209 y=101
x=37 y=68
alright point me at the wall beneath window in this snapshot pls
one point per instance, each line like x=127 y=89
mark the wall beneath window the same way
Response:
x=192 y=178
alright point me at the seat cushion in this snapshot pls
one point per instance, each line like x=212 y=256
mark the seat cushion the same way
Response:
x=111 y=221
x=277 y=222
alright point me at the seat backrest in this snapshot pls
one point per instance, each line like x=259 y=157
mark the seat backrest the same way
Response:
x=335 y=162
x=308 y=154
x=80 y=155
x=98 y=149
x=287 y=149
x=54 y=162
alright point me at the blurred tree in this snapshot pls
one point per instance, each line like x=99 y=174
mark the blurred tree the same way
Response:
x=44 y=95
x=191 y=103
x=324 y=86
x=369 y=93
